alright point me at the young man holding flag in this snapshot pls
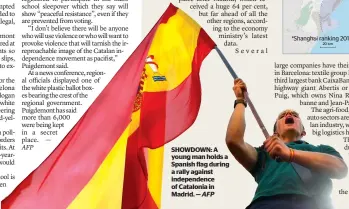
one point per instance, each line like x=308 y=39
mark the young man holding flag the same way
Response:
x=291 y=174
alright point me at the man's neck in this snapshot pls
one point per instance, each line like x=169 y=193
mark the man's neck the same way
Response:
x=287 y=138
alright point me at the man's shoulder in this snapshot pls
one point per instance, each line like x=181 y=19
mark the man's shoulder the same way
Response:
x=303 y=145
x=323 y=148
x=306 y=146
x=329 y=150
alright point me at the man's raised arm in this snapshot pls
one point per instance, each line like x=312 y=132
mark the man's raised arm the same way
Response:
x=244 y=153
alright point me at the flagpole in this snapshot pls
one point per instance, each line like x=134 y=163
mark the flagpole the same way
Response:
x=247 y=98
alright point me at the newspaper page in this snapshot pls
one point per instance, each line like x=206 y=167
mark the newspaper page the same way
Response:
x=291 y=55
x=57 y=56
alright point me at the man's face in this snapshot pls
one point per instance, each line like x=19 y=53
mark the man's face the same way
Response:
x=289 y=121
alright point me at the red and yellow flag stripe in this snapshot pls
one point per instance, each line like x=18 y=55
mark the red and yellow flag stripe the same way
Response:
x=72 y=166
x=170 y=103
x=113 y=157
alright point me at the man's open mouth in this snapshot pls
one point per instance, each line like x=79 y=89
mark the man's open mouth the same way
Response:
x=289 y=120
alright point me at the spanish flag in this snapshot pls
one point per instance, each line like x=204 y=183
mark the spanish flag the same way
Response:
x=113 y=157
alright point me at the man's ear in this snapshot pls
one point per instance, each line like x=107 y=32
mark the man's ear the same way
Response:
x=303 y=133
